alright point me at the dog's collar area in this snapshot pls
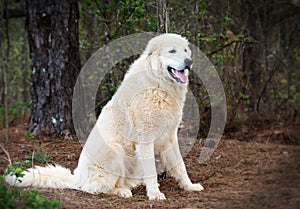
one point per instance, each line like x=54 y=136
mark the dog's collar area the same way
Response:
x=180 y=76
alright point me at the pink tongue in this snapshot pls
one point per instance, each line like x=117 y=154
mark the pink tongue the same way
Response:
x=181 y=76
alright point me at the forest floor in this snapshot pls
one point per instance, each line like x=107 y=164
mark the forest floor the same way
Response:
x=249 y=169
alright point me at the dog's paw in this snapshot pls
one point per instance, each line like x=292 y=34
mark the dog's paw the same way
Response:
x=122 y=192
x=156 y=196
x=194 y=187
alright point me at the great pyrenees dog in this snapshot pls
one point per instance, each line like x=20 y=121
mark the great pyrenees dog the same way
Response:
x=140 y=121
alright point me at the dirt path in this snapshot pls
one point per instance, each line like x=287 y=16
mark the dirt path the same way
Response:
x=239 y=175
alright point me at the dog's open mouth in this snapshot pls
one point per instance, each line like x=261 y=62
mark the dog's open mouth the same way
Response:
x=180 y=76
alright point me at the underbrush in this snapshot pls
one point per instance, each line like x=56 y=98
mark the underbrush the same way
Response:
x=14 y=197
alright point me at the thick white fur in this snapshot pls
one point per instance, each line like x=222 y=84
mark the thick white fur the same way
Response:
x=140 y=121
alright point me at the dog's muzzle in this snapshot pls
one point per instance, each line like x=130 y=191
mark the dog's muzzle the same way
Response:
x=180 y=76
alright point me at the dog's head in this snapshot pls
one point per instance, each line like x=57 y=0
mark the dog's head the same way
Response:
x=170 y=58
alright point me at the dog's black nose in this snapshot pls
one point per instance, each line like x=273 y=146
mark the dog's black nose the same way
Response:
x=188 y=62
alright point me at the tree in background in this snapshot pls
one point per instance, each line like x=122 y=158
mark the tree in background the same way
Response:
x=253 y=44
x=270 y=28
x=54 y=51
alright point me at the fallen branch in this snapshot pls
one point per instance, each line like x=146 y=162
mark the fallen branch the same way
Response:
x=7 y=154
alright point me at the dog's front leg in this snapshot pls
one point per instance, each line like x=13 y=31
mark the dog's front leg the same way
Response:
x=146 y=162
x=175 y=165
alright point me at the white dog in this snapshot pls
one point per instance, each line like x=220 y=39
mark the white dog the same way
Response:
x=140 y=121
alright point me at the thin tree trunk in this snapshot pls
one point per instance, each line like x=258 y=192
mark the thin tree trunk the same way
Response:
x=25 y=86
x=253 y=53
x=7 y=55
x=162 y=16
x=54 y=51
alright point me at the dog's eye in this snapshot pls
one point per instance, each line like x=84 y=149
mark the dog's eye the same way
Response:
x=173 y=51
x=185 y=50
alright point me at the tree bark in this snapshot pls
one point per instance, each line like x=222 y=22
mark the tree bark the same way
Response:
x=162 y=16
x=52 y=27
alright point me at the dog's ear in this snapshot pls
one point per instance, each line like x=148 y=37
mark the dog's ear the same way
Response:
x=154 y=61
x=152 y=58
x=152 y=47
x=149 y=50
x=150 y=53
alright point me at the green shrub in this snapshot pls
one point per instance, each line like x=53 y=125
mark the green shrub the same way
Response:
x=42 y=156
x=11 y=196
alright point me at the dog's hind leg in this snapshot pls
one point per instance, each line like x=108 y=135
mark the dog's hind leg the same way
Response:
x=98 y=181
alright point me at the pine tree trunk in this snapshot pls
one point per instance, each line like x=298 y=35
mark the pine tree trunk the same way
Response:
x=54 y=51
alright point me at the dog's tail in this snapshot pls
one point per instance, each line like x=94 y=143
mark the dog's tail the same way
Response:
x=50 y=176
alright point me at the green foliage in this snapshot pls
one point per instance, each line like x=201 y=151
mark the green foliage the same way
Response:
x=42 y=156
x=103 y=21
x=17 y=65
x=35 y=201
x=110 y=88
x=16 y=169
x=14 y=110
x=243 y=96
x=11 y=196
x=135 y=14
x=8 y=195
x=30 y=136
x=202 y=7
x=204 y=38
x=227 y=19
